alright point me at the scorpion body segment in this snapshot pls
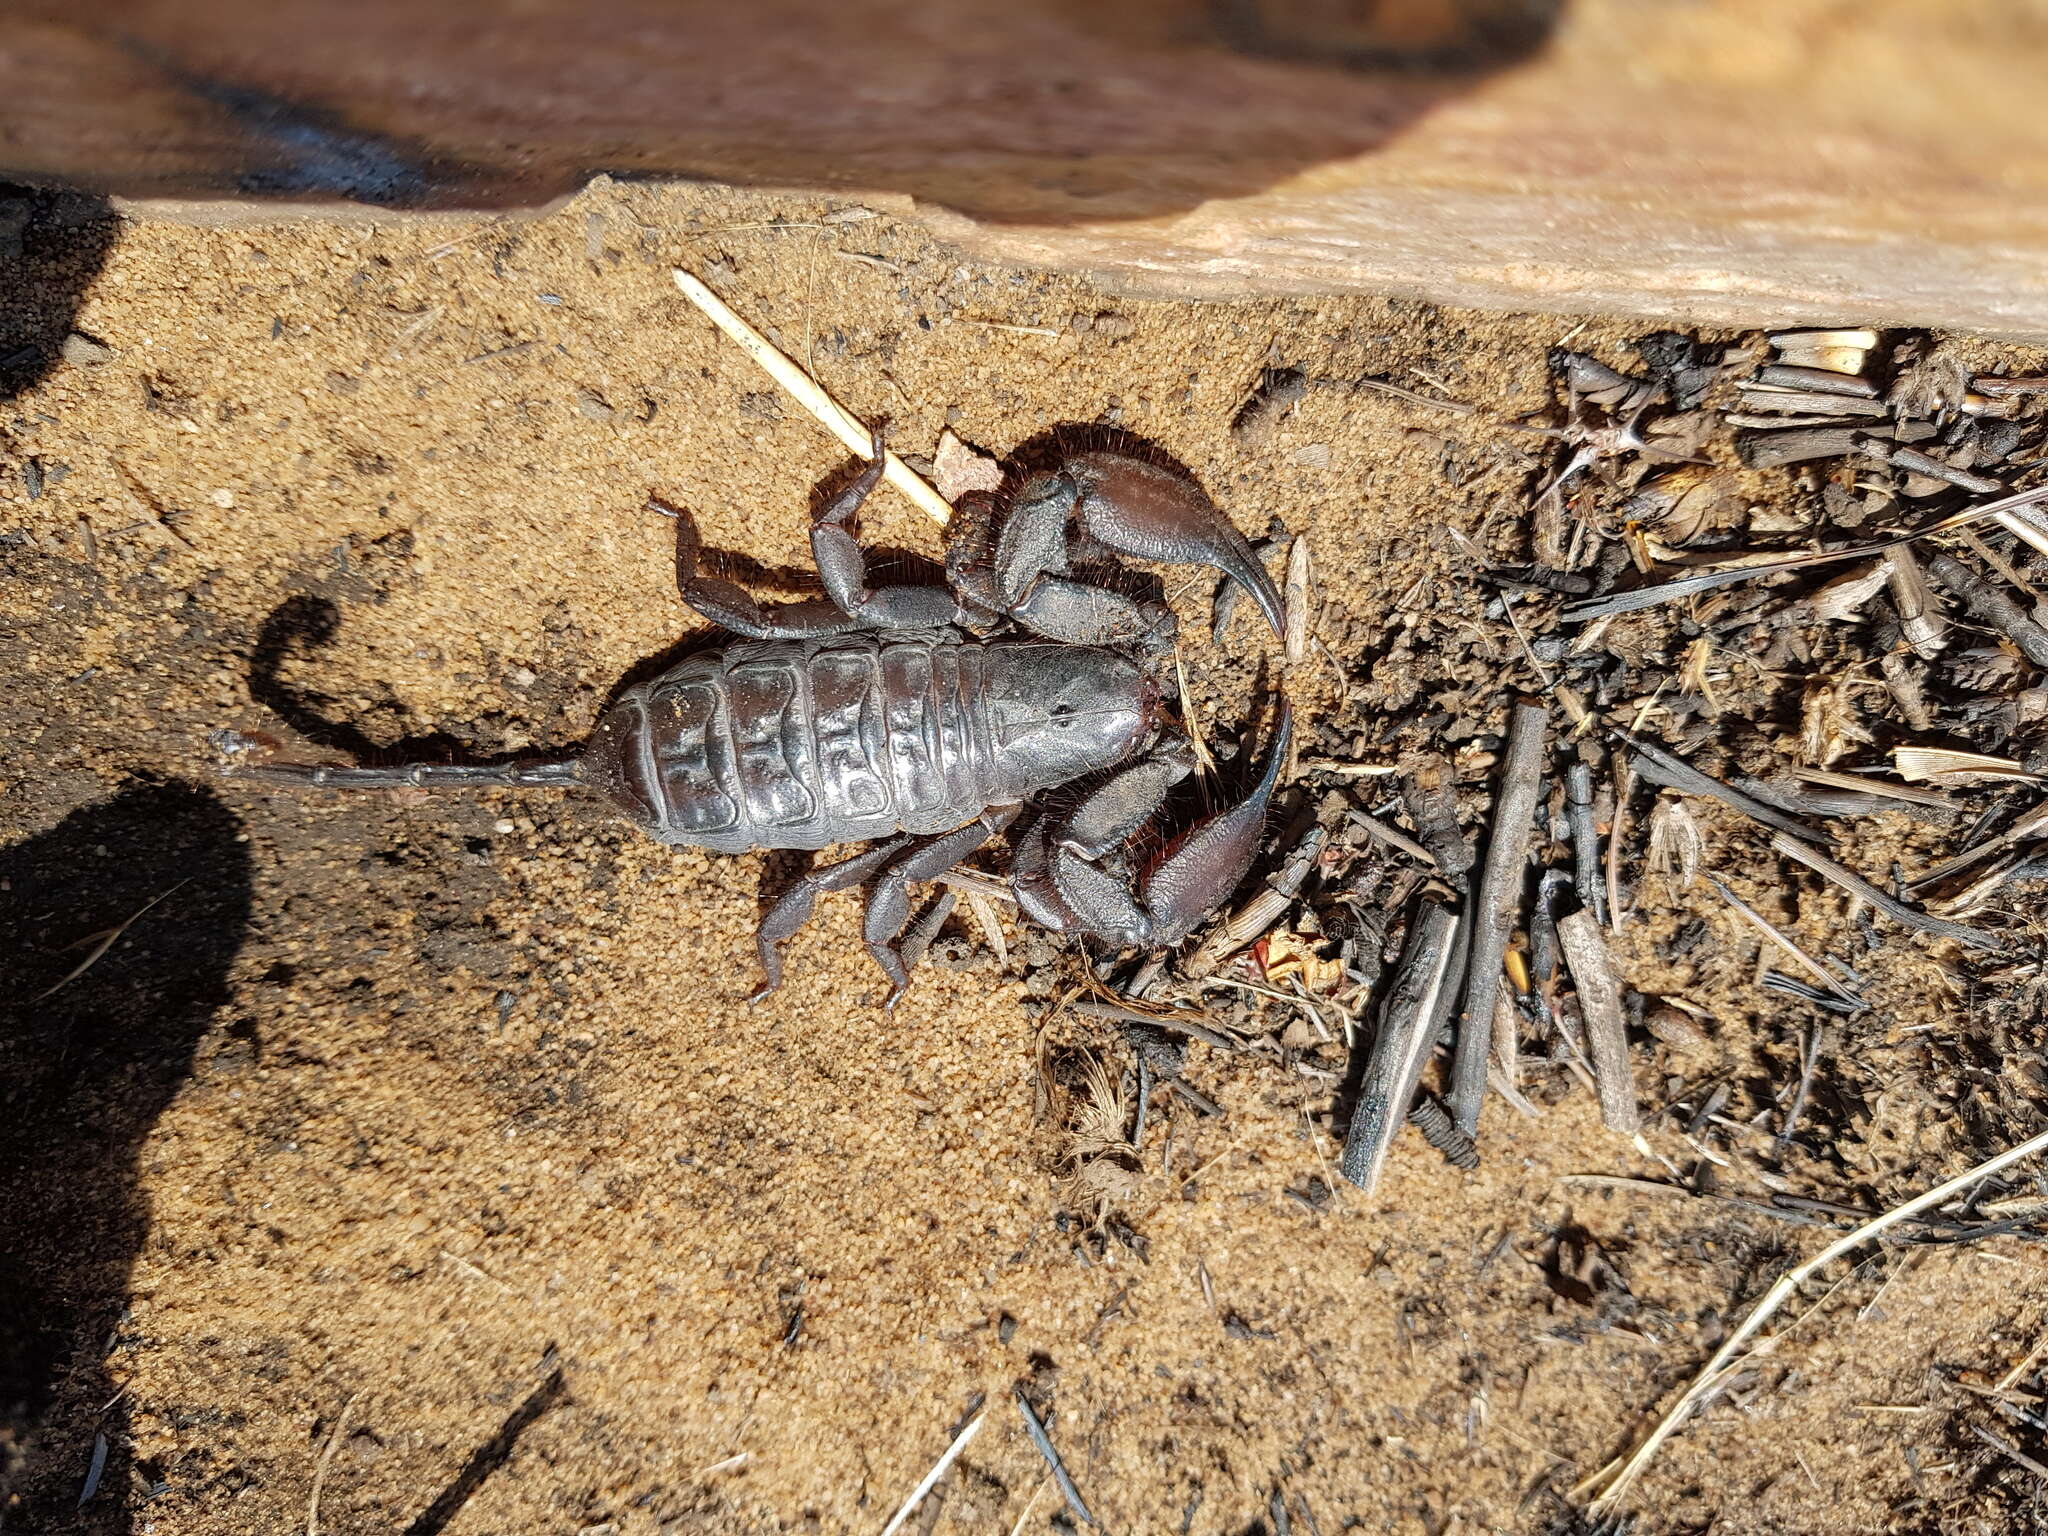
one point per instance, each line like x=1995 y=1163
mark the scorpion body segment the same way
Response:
x=805 y=743
x=925 y=720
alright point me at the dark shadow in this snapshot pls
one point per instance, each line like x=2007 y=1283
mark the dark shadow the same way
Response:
x=313 y=152
x=1474 y=35
x=52 y=245
x=1043 y=111
x=308 y=622
x=86 y=1067
x=489 y=1456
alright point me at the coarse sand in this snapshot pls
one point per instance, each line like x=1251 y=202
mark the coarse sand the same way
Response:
x=422 y=1152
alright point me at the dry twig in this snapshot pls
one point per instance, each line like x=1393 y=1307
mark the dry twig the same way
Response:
x=1898 y=911
x=1035 y=1427
x=1592 y=968
x=1500 y=891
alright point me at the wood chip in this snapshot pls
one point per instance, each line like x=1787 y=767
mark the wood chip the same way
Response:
x=1600 y=1004
x=1300 y=598
x=1399 y=1046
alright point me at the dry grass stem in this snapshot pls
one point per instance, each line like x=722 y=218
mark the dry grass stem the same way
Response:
x=1763 y=925
x=106 y=941
x=1619 y=1478
x=931 y=1478
x=808 y=393
x=1400 y=1046
x=1944 y=765
x=1749 y=568
x=1035 y=1427
x=327 y=1460
x=1299 y=597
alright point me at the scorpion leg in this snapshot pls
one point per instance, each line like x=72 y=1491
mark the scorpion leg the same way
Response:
x=1196 y=874
x=893 y=866
x=851 y=604
x=843 y=566
x=792 y=908
x=970 y=558
x=732 y=607
x=889 y=903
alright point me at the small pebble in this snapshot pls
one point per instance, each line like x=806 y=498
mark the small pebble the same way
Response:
x=84 y=352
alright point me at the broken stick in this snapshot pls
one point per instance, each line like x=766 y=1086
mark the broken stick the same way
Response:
x=1493 y=917
x=1592 y=968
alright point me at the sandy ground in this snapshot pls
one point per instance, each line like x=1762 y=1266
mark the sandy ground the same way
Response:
x=418 y=1165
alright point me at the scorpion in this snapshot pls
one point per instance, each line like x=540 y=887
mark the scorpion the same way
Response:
x=924 y=719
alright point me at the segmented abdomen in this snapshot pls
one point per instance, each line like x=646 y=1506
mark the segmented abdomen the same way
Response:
x=801 y=743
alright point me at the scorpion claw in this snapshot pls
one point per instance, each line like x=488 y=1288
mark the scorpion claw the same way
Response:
x=1206 y=865
x=1152 y=513
x=1060 y=883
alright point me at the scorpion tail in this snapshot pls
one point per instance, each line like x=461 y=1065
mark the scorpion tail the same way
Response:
x=238 y=753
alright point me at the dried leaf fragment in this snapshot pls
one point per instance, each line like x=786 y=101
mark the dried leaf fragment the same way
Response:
x=1289 y=954
x=1684 y=503
x=1828 y=723
x=1843 y=598
x=1676 y=842
x=958 y=469
x=1941 y=765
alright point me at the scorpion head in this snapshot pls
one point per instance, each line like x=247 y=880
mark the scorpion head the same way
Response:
x=1061 y=711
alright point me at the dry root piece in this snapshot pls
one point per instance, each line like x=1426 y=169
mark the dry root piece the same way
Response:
x=1102 y=1171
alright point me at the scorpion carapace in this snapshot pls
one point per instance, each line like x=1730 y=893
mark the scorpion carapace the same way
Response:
x=926 y=719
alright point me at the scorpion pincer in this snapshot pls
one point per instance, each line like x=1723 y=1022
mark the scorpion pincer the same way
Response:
x=925 y=719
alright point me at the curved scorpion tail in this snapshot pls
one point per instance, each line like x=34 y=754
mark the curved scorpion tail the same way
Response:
x=238 y=759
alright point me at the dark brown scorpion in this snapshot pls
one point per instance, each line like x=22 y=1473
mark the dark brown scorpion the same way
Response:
x=929 y=716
